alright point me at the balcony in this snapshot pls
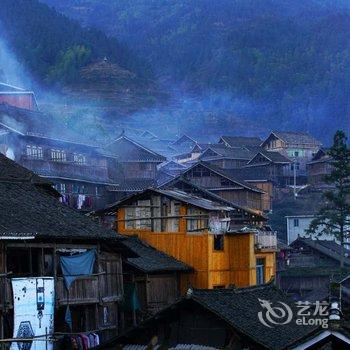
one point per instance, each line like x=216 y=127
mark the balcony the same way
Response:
x=84 y=290
x=67 y=169
x=265 y=241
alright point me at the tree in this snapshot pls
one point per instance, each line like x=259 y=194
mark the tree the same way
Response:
x=334 y=218
x=69 y=65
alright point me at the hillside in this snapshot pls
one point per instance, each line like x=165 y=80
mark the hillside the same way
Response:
x=55 y=50
x=289 y=59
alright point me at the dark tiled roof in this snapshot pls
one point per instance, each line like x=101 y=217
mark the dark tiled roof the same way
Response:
x=11 y=171
x=321 y=156
x=171 y=193
x=241 y=141
x=328 y=248
x=128 y=150
x=296 y=137
x=39 y=125
x=150 y=259
x=226 y=152
x=250 y=173
x=194 y=200
x=27 y=210
x=132 y=185
x=184 y=138
x=206 y=194
x=227 y=174
x=274 y=157
x=240 y=308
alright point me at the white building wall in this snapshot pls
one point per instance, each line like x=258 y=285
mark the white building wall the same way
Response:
x=297 y=227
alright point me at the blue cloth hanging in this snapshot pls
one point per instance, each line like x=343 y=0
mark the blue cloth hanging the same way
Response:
x=77 y=265
x=68 y=317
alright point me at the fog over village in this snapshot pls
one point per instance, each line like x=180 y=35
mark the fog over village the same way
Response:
x=174 y=174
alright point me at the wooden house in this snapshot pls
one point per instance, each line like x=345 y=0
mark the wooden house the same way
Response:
x=17 y=97
x=223 y=319
x=239 y=217
x=77 y=169
x=274 y=165
x=155 y=277
x=298 y=146
x=172 y=168
x=222 y=183
x=240 y=141
x=134 y=166
x=258 y=178
x=192 y=154
x=309 y=267
x=197 y=232
x=184 y=142
x=36 y=233
x=319 y=167
x=226 y=157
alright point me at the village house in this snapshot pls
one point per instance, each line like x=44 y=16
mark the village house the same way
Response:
x=298 y=146
x=274 y=165
x=132 y=164
x=319 y=167
x=102 y=282
x=229 y=319
x=197 y=231
x=260 y=179
x=308 y=267
x=17 y=97
x=151 y=280
x=75 y=264
x=240 y=141
x=184 y=143
x=77 y=169
x=226 y=157
x=220 y=182
x=240 y=216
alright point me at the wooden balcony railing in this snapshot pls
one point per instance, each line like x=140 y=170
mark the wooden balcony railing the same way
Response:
x=65 y=169
x=84 y=290
x=266 y=240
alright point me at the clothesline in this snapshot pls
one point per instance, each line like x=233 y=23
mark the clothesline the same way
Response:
x=48 y=337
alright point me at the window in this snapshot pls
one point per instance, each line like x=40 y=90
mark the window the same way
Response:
x=296 y=222
x=139 y=210
x=34 y=151
x=297 y=166
x=260 y=271
x=79 y=158
x=196 y=221
x=172 y=209
x=30 y=261
x=58 y=155
x=60 y=187
x=296 y=153
x=219 y=242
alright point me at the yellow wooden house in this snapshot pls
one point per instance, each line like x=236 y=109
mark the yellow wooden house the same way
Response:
x=203 y=234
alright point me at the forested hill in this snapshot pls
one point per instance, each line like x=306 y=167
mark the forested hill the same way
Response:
x=54 y=48
x=289 y=57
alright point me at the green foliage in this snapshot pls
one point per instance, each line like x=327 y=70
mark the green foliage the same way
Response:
x=53 y=47
x=69 y=64
x=334 y=217
x=290 y=57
